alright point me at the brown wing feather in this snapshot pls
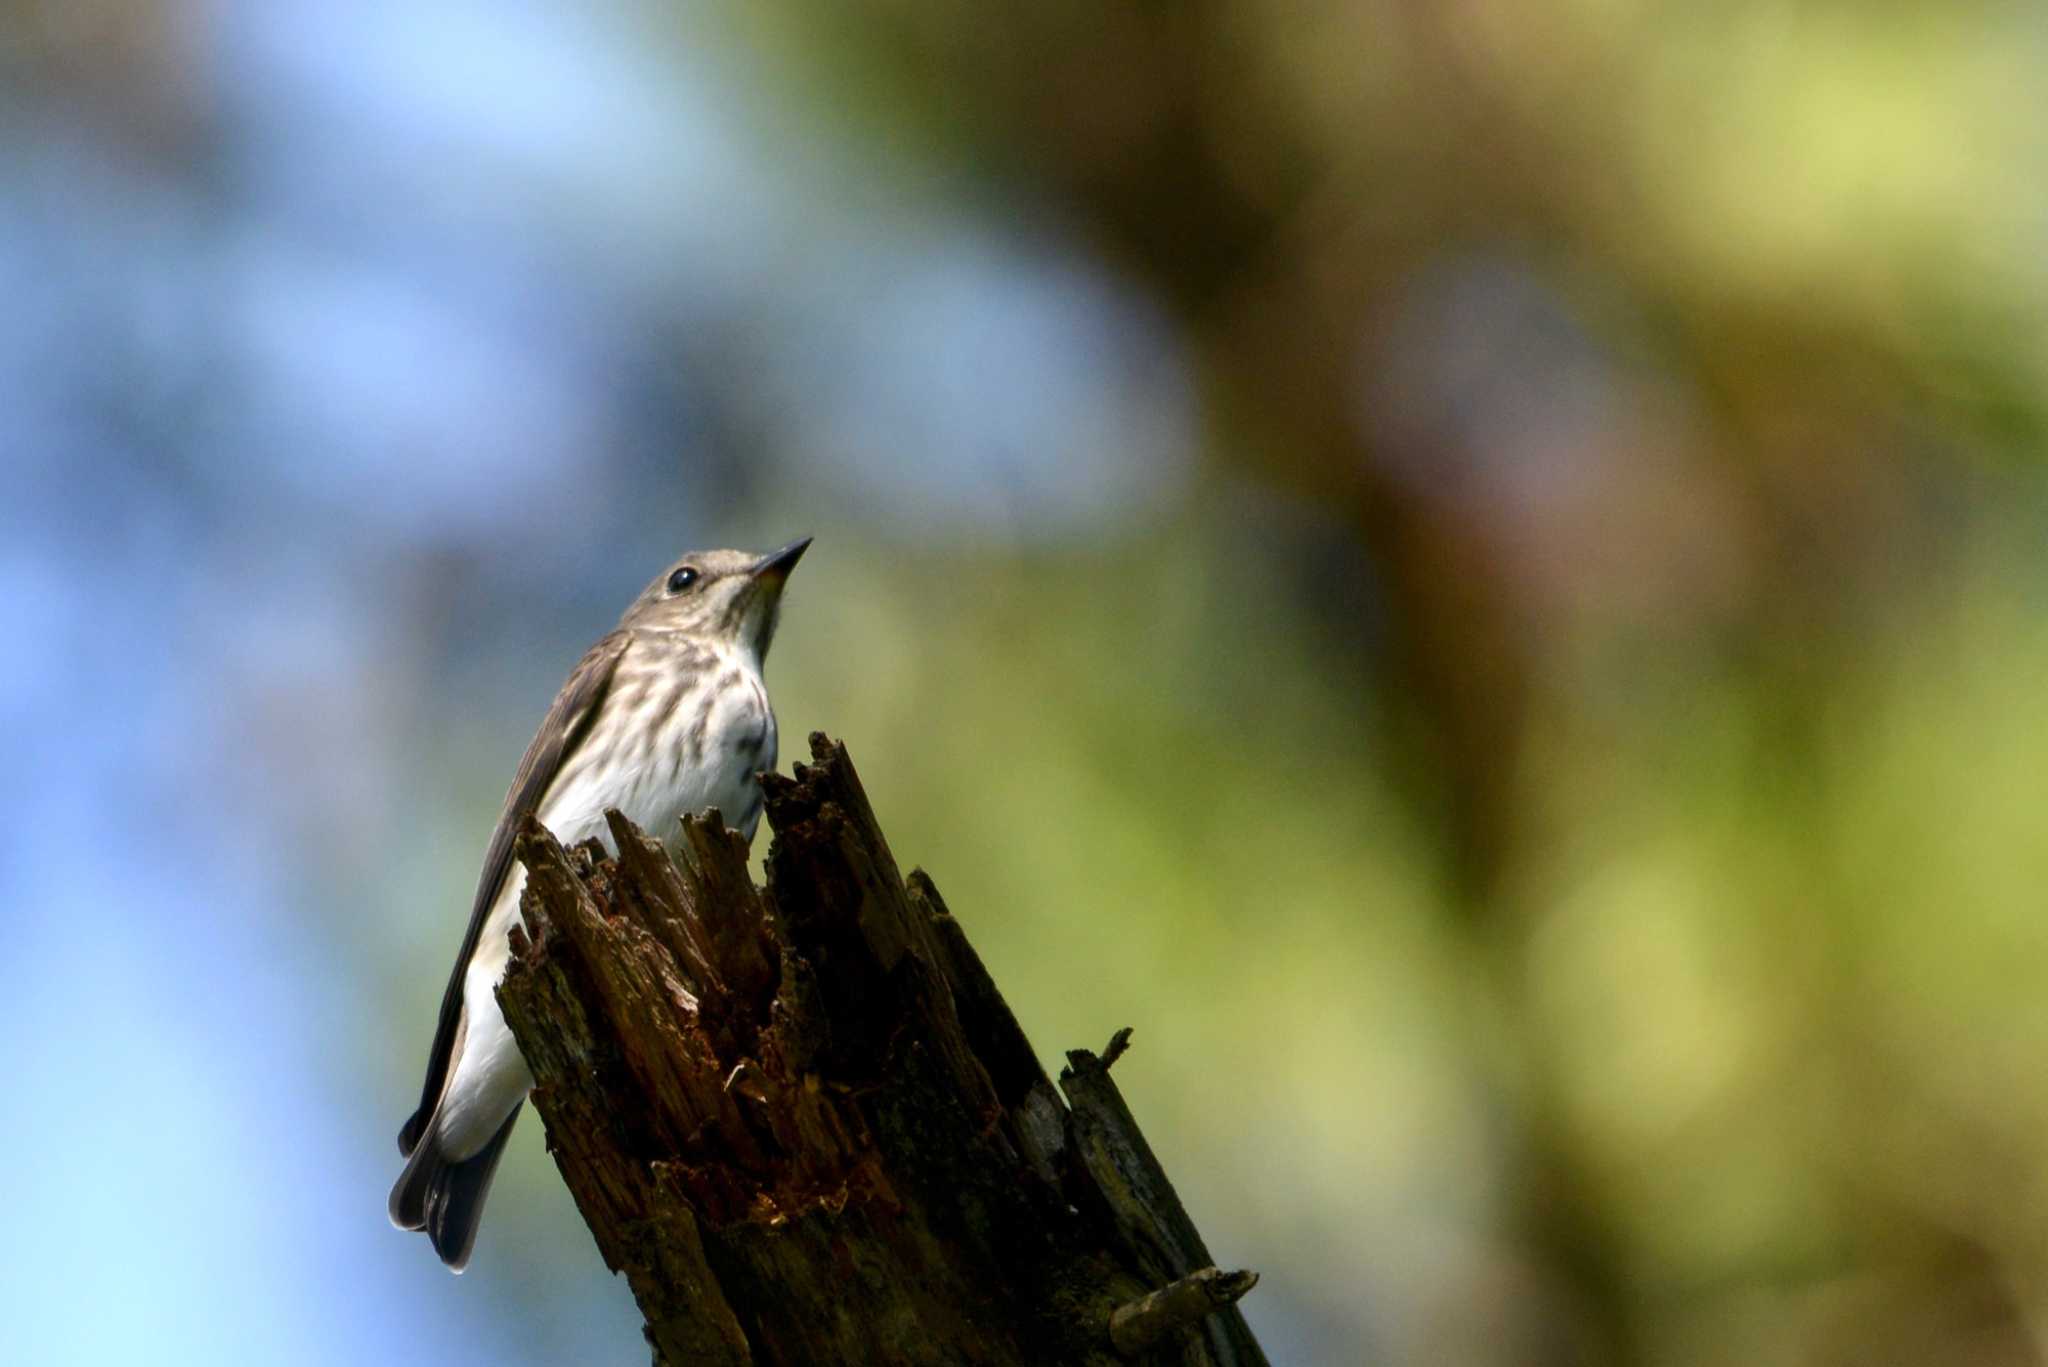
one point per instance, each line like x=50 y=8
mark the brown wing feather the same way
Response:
x=568 y=721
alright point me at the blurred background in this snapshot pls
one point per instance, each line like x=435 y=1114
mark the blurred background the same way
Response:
x=1475 y=570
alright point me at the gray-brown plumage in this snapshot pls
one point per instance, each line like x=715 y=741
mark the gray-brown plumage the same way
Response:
x=665 y=715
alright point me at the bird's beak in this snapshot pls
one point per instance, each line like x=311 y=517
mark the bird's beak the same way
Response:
x=778 y=564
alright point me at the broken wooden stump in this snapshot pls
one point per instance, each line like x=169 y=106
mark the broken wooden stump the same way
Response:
x=804 y=1124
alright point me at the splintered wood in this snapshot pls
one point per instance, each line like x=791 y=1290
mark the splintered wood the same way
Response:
x=805 y=1125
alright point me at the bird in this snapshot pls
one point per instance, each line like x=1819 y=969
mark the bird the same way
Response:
x=667 y=714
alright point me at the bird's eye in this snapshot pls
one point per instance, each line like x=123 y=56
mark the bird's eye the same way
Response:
x=681 y=579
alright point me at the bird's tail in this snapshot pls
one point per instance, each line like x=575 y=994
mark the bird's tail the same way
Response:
x=445 y=1198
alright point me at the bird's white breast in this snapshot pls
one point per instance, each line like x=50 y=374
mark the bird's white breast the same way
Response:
x=700 y=737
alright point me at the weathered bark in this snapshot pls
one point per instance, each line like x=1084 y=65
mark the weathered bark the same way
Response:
x=806 y=1126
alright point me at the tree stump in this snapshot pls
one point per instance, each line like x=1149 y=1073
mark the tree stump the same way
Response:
x=806 y=1126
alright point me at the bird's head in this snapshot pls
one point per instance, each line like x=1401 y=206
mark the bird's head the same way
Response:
x=726 y=598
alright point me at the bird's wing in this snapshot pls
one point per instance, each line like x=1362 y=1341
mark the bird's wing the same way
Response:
x=568 y=722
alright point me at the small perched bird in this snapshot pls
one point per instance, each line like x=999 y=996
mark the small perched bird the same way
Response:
x=665 y=715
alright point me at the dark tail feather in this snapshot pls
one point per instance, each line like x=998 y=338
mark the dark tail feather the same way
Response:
x=409 y=1136
x=446 y=1199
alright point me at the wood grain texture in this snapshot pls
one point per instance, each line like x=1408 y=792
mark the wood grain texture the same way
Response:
x=805 y=1125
